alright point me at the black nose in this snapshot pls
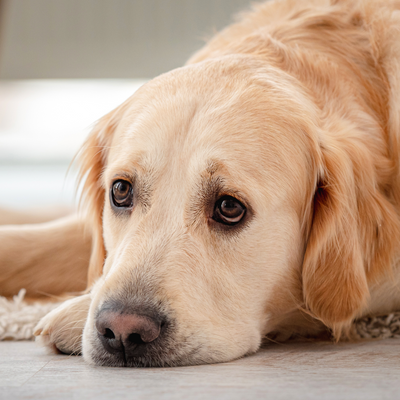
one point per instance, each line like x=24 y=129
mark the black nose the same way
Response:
x=124 y=332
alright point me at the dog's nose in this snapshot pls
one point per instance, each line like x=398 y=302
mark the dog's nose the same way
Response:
x=119 y=331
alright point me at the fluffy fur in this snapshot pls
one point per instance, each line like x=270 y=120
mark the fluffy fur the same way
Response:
x=294 y=110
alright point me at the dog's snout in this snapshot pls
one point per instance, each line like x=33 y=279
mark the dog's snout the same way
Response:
x=125 y=331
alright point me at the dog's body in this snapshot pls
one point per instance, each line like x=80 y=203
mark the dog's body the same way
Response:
x=253 y=192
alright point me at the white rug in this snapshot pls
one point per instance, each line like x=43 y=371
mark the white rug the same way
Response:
x=18 y=320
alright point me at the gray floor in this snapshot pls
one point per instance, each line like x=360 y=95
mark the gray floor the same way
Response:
x=368 y=370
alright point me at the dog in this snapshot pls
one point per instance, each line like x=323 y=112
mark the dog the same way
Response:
x=252 y=193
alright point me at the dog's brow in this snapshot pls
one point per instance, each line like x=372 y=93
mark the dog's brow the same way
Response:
x=126 y=175
x=212 y=182
x=213 y=167
x=133 y=170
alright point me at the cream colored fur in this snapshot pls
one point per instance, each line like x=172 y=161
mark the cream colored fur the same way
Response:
x=294 y=110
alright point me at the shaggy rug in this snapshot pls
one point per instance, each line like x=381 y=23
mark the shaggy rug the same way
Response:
x=18 y=319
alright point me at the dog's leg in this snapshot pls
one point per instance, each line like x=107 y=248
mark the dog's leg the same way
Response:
x=61 y=329
x=33 y=216
x=46 y=259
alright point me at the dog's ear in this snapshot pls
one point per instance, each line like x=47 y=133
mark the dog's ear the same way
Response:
x=351 y=240
x=93 y=158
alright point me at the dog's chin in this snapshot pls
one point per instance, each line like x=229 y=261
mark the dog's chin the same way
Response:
x=163 y=353
x=153 y=358
x=167 y=352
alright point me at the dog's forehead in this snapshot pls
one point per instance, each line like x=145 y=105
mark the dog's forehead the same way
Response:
x=173 y=121
x=192 y=117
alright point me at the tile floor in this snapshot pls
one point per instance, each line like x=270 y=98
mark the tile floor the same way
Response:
x=367 y=371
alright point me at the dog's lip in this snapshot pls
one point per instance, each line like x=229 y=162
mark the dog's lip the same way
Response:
x=142 y=358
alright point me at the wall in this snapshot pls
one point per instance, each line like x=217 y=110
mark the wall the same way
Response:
x=105 y=38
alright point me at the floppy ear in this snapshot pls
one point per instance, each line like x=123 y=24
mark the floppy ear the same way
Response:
x=352 y=238
x=93 y=158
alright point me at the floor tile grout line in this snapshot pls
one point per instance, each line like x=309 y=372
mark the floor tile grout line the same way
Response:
x=48 y=362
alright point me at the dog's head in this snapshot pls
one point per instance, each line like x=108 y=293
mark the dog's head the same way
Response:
x=220 y=210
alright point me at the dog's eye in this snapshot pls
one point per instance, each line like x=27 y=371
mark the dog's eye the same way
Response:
x=122 y=194
x=229 y=210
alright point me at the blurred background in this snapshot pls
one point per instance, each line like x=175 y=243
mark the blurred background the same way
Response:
x=65 y=63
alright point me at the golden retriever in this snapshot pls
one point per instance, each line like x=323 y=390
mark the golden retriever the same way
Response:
x=253 y=192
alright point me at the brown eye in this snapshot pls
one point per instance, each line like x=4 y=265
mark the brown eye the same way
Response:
x=122 y=194
x=229 y=210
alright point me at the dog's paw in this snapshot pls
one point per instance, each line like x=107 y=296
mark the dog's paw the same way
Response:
x=61 y=329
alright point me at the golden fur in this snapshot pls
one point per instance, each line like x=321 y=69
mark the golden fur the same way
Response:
x=295 y=110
